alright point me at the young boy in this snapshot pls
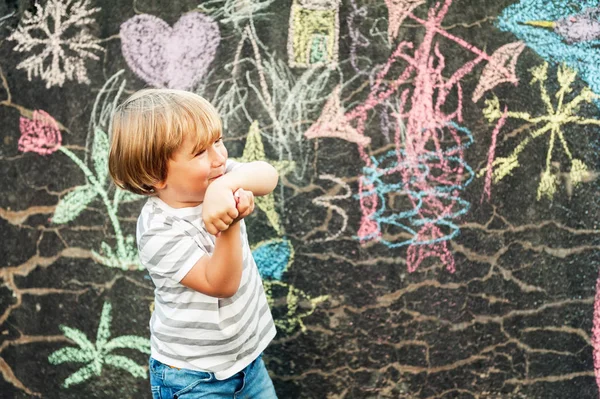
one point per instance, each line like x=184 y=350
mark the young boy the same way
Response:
x=211 y=321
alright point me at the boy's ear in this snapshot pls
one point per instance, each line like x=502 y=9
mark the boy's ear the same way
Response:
x=160 y=185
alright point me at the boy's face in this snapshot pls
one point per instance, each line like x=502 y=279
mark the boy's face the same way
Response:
x=189 y=174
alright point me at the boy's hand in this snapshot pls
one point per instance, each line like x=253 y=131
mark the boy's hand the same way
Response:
x=244 y=203
x=219 y=209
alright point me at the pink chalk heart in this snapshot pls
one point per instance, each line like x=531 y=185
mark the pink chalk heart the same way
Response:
x=176 y=57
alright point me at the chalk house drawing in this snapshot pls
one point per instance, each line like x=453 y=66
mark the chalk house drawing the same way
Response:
x=314 y=33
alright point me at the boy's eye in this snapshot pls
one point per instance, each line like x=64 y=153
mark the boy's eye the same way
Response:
x=218 y=141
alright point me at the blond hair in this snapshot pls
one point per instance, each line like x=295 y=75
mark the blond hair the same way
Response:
x=148 y=127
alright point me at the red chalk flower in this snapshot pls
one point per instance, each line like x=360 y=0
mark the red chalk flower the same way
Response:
x=40 y=134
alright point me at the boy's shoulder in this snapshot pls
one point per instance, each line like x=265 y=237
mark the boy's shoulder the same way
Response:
x=152 y=213
x=156 y=218
x=155 y=208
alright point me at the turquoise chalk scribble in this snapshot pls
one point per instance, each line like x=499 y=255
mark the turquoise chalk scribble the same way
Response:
x=412 y=219
x=272 y=258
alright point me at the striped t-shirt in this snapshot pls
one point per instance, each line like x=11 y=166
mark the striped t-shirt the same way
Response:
x=189 y=329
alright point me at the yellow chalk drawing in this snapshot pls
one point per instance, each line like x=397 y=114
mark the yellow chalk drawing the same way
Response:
x=255 y=151
x=313 y=37
x=298 y=305
x=99 y=354
x=553 y=123
x=288 y=304
x=579 y=172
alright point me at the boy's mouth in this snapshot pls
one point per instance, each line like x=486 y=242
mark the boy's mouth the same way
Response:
x=216 y=177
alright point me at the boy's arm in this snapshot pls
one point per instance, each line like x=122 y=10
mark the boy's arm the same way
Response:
x=219 y=209
x=219 y=275
x=259 y=177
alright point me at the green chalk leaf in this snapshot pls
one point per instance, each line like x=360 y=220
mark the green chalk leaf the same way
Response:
x=69 y=354
x=72 y=204
x=126 y=364
x=100 y=150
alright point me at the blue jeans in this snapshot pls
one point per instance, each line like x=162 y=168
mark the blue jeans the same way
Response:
x=253 y=382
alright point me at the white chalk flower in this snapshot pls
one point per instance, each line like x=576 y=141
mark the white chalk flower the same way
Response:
x=58 y=40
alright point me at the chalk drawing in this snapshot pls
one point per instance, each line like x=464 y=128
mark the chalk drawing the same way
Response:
x=397 y=12
x=500 y=69
x=58 y=56
x=424 y=228
x=553 y=123
x=255 y=151
x=431 y=174
x=582 y=27
x=487 y=189
x=561 y=32
x=96 y=355
x=273 y=257
x=287 y=99
x=176 y=57
x=355 y=19
x=313 y=36
x=4 y=18
x=289 y=304
x=596 y=334
x=553 y=45
x=41 y=135
x=298 y=305
x=236 y=12
x=357 y=39
x=325 y=201
x=333 y=123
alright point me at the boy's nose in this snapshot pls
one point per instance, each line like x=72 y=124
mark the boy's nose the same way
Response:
x=218 y=158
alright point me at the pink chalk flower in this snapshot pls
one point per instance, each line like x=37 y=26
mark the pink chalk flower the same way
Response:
x=40 y=134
